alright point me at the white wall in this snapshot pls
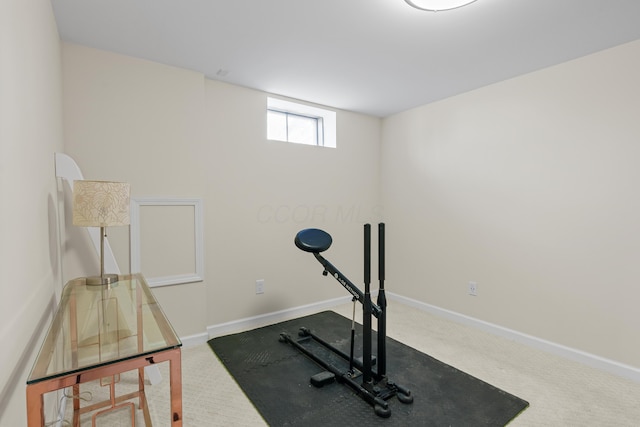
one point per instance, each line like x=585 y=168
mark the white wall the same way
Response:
x=136 y=121
x=170 y=132
x=30 y=132
x=530 y=188
x=261 y=193
x=526 y=187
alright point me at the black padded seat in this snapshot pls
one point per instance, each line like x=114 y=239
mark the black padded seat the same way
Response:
x=313 y=240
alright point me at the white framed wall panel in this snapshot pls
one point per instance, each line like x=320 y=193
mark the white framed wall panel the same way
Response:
x=167 y=240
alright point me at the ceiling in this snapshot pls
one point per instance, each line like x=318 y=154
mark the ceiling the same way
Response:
x=377 y=57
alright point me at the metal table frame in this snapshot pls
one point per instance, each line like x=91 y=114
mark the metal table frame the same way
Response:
x=44 y=378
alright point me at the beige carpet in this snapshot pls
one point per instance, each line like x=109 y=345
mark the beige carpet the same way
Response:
x=560 y=392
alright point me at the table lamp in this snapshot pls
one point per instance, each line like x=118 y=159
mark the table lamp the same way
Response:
x=101 y=204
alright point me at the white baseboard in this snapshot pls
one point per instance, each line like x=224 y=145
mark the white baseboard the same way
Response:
x=607 y=365
x=271 y=318
x=193 y=340
x=611 y=366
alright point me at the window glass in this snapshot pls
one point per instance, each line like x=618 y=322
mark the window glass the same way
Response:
x=302 y=129
x=276 y=125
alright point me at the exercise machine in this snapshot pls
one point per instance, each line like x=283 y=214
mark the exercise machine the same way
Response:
x=374 y=386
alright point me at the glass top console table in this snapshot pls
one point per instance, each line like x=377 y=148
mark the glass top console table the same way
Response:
x=97 y=333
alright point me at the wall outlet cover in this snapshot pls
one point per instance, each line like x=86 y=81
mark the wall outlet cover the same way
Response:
x=473 y=289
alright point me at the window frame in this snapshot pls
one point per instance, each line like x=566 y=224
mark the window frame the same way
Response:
x=325 y=121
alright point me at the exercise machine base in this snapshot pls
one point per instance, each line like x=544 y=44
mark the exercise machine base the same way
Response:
x=376 y=393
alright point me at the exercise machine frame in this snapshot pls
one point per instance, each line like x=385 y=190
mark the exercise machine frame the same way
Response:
x=375 y=387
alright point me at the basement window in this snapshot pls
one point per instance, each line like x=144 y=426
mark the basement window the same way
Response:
x=300 y=124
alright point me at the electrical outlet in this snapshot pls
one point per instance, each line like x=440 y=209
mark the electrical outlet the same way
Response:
x=260 y=286
x=473 y=289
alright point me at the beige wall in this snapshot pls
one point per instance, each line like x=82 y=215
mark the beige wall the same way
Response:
x=525 y=187
x=30 y=132
x=530 y=188
x=261 y=193
x=171 y=132
x=131 y=120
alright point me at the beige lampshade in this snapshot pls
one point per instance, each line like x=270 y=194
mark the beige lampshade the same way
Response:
x=100 y=203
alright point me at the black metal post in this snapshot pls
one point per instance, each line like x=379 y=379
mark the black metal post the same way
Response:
x=382 y=303
x=366 y=309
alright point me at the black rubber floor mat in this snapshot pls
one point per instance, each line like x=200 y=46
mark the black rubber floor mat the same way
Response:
x=275 y=376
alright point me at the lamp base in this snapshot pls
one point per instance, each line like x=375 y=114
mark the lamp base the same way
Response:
x=106 y=279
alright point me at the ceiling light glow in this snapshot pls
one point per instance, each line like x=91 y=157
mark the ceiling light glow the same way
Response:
x=438 y=5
